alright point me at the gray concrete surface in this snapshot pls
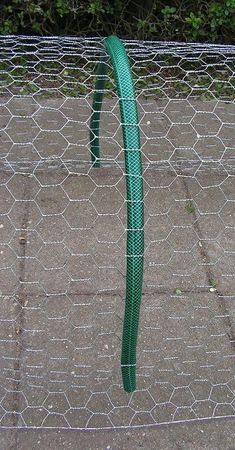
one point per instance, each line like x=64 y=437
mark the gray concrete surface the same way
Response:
x=62 y=276
x=215 y=435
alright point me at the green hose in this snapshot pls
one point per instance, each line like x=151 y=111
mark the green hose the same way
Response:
x=134 y=187
x=101 y=78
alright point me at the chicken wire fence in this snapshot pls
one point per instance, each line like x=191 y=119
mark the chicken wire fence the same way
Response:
x=63 y=228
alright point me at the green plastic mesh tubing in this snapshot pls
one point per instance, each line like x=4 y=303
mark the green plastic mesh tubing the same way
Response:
x=96 y=109
x=134 y=187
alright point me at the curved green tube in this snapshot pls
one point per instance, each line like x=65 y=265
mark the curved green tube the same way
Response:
x=134 y=187
x=101 y=78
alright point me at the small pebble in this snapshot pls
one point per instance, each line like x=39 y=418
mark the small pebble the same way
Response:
x=148 y=123
x=212 y=289
x=1 y=225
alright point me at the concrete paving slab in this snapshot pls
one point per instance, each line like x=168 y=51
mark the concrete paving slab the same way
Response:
x=191 y=436
x=63 y=231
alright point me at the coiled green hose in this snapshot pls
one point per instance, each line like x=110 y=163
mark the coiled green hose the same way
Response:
x=134 y=187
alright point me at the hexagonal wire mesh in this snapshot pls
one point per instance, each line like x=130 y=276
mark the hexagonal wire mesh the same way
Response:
x=63 y=236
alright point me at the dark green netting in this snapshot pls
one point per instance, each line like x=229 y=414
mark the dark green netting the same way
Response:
x=134 y=187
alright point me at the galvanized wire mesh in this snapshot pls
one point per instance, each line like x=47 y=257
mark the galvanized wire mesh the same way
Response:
x=63 y=236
